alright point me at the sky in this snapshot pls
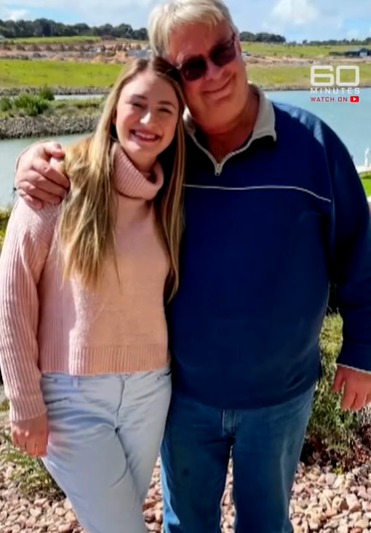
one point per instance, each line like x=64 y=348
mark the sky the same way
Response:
x=295 y=19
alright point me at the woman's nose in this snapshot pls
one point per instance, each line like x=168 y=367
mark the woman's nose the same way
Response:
x=147 y=118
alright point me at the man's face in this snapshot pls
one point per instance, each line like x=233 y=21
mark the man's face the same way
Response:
x=213 y=73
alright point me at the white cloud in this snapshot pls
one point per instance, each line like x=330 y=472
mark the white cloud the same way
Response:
x=13 y=14
x=89 y=11
x=352 y=34
x=317 y=19
x=297 y=12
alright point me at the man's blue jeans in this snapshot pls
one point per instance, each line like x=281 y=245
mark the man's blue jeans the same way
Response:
x=265 y=446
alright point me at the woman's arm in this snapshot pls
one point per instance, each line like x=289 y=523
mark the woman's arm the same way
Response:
x=22 y=259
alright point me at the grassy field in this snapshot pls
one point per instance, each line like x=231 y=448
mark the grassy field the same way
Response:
x=297 y=75
x=304 y=51
x=366 y=182
x=24 y=73
x=51 y=40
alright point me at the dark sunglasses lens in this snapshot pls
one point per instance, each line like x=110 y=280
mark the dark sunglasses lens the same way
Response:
x=194 y=69
x=224 y=54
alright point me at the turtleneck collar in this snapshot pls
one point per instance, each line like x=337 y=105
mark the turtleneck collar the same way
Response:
x=133 y=183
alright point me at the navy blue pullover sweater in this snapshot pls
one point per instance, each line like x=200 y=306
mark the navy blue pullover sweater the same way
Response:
x=263 y=238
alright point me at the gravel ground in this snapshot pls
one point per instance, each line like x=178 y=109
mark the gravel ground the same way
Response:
x=321 y=501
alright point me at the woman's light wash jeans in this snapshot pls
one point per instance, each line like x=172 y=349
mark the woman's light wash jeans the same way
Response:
x=105 y=433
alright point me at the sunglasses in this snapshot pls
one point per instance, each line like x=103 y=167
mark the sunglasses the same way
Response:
x=195 y=68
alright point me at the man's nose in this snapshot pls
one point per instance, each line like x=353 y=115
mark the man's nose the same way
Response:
x=213 y=71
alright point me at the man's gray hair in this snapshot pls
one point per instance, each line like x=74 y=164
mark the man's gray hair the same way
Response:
x=173 y=14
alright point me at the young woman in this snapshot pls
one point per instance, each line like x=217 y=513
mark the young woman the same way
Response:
x=83 y=344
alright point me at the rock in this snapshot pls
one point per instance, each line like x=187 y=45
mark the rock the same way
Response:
x=70 y=516
x=42 y=126
x=31 y=522
x=66 y=528
x=36 y=512
x=40 y=502
x=67 y=505
x=362 y=523
x=330 y=479
x=322 y=502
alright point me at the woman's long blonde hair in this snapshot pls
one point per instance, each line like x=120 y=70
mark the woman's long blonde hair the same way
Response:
x=88 y=214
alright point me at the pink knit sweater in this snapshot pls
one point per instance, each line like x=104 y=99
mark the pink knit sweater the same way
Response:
x=50 y=326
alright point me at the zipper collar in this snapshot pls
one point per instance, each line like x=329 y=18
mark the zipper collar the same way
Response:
x=264 y=127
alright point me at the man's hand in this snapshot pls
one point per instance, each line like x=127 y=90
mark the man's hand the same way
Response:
x=36 y=179
x=355 y=385
x=31 y=436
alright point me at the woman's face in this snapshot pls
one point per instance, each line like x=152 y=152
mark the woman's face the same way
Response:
x=146 y=118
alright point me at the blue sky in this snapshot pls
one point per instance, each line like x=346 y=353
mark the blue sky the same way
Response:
x=295 y=19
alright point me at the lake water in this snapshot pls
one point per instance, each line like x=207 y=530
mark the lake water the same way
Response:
x=77 y=96
x=351 y=121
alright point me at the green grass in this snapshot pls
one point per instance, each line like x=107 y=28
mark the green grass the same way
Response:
x=23 y=73
x=29 y=473
x=51 y=40
x=4 y=217
x=4 y=406
x=72 y=107
x=35 y=104
x=76 y=103
x=366 y=182
x=299 y=51
x=293 y=75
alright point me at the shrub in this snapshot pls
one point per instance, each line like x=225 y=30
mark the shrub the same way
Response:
x=29 y=473
x=46 y=93
x=329 y=423
x=29 y=104
x=4 y=217
x=5 y=103
x=32 y=104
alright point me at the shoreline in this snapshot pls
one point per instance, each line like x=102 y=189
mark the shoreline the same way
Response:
x=56 y=89
x=92 y=90
x=38 y=127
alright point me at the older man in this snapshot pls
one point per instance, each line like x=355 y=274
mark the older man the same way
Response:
x=274 y=211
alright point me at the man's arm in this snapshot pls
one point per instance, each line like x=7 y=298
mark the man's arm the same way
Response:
x=351 y=272
x=36 y=179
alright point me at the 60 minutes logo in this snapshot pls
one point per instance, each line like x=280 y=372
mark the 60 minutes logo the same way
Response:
x=341 y=91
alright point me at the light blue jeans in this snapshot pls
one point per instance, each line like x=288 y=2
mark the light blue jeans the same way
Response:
x=105 y=433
